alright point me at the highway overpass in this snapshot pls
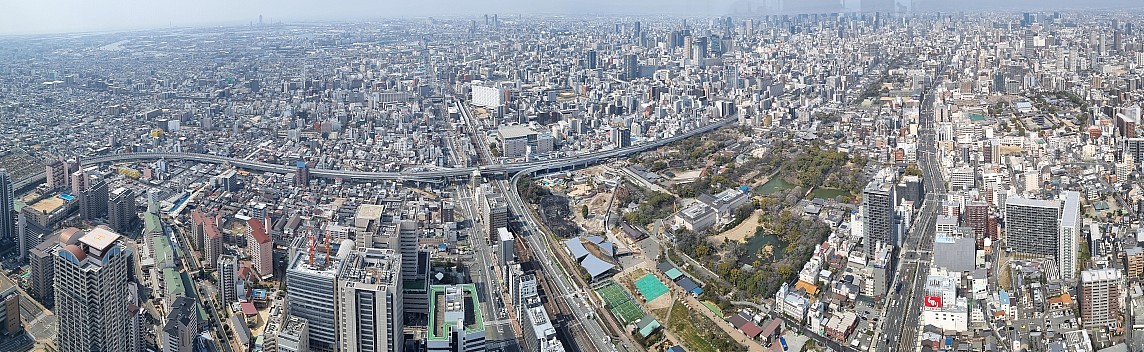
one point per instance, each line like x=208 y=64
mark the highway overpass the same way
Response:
x=434 y=175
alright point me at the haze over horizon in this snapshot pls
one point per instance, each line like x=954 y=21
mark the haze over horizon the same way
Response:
x=62 y=16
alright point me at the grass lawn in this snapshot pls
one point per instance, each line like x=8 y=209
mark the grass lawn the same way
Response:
x=714 y=308
x=684 y=324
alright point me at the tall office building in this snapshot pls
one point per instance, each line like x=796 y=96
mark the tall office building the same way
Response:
x=370 y=315
x=121 y=209
x=1134 y=147
x=407 y=237
x=7 y=214
x=227 y=280
x=1032 y=227
x=494 y=209
x=699 y=50
x=878 y=214
x=631 y=67
x=182 y=326
x=1070 y=235
x=91 y=289
x=621 y=137
x=414 y=268
x=312 y=279
x=1100 y=297
x=592 y=60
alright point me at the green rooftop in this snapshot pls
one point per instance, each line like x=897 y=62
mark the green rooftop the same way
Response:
x=439 y=327
x=163 y=251
x=174 y=283
x=976 y=117
x=151 y=224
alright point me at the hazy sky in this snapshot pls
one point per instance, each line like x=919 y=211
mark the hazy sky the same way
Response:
x=54 y=16
x=48 y=16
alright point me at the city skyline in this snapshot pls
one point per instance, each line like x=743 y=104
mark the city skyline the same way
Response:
x=74 y=16
x=884 y=180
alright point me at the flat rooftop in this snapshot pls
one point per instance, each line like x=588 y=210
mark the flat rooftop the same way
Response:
x=48 y=205
x=1026 y=202
x=369 y=211
x=99 y=238
x=1099 y=275
x=515 y=131
x=439 y=327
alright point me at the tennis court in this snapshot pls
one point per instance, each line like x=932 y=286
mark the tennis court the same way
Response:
x=650 y=287
x=620 y=303
x=613 y=294
x=628 y=312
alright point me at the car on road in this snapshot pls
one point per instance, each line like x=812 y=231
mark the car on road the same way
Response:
x=782 y=341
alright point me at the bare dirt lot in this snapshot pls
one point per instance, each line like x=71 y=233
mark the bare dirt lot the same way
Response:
x=739 y=233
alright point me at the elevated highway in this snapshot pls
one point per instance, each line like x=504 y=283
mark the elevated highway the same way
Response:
x=433 y=175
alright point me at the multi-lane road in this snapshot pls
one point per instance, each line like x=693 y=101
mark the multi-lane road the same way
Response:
x=900 y=334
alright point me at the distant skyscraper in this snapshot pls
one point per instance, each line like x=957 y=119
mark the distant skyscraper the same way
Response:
x=7 y=214
x=91 y=293
x=621 y=137
x=998 y=82
x=592 y=61
x=631 y=67
x=878 y=214
x=699 y=50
